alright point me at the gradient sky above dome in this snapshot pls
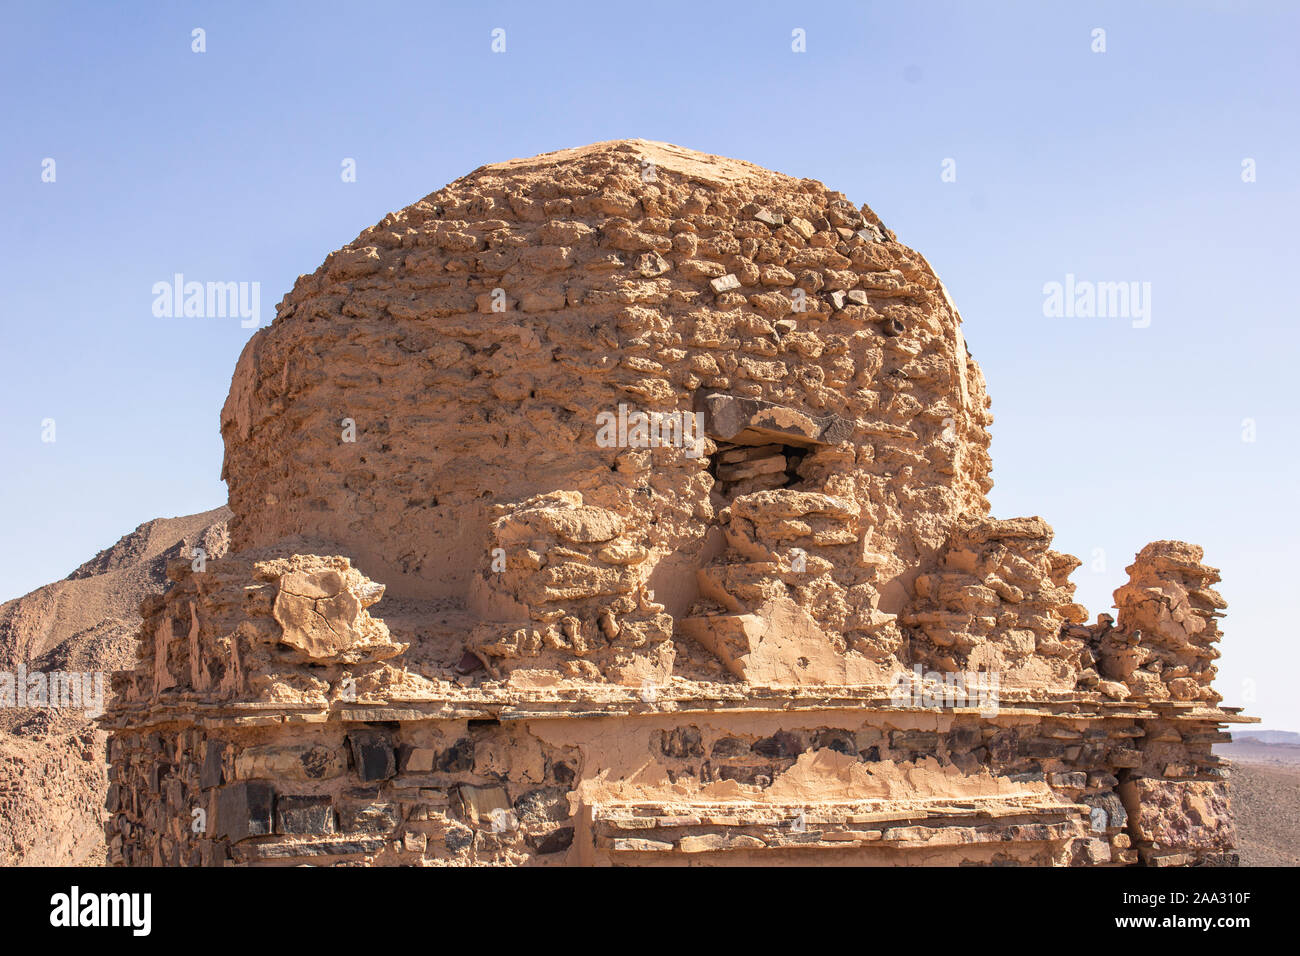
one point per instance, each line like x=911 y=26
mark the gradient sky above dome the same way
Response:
x=1122 y=166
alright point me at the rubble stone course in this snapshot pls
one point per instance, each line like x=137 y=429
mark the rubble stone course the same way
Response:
x=458 y=626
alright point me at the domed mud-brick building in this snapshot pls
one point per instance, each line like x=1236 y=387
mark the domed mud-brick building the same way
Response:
x=627 y=505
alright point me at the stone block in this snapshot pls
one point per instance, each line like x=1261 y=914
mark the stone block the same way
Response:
x=244 y=810
x=457 y=758
x=290 y=761
x=368 y=817
x=681 y=742
x=840 y=741
x=482 y=806
x=553 y=841
x=1074 y=780
x=304 y=814
x=545 y=804
x=750 y=421
x=354 y=847
x=963 y=738
x=781 y=744
x=420 y=760
x=760 y=776
x=1110 y=804
x=922 y=741
x=642 y=846
x=458 y=837
x=372 y=754
x=725 y=747
x=211 y=774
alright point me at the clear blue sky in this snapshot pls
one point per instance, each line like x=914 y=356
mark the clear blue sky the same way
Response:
x=1117 y=166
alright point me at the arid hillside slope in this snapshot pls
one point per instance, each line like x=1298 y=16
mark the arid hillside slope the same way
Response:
x=52 y=764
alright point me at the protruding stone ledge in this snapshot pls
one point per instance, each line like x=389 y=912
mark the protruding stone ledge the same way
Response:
x=706 y=828
x=751 y=421
x=582 y=704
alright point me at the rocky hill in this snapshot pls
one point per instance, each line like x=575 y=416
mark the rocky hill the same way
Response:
x=52 y=763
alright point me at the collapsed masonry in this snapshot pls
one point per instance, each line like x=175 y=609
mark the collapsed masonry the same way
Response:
x=709 y=650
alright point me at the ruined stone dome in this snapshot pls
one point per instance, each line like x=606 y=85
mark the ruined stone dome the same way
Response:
x=627 y=505
x=471 y=340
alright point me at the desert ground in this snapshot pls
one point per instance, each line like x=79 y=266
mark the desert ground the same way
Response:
x=1265 y=800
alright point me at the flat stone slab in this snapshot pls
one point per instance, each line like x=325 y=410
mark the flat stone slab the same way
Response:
x=752 y=421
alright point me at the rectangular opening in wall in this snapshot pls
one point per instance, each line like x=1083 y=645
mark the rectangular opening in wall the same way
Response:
x=743 y=469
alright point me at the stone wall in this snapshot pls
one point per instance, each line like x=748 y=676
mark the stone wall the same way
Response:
x=317 y=750
x=822 y=786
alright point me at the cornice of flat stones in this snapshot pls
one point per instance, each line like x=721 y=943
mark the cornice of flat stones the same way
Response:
x=582 y=703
